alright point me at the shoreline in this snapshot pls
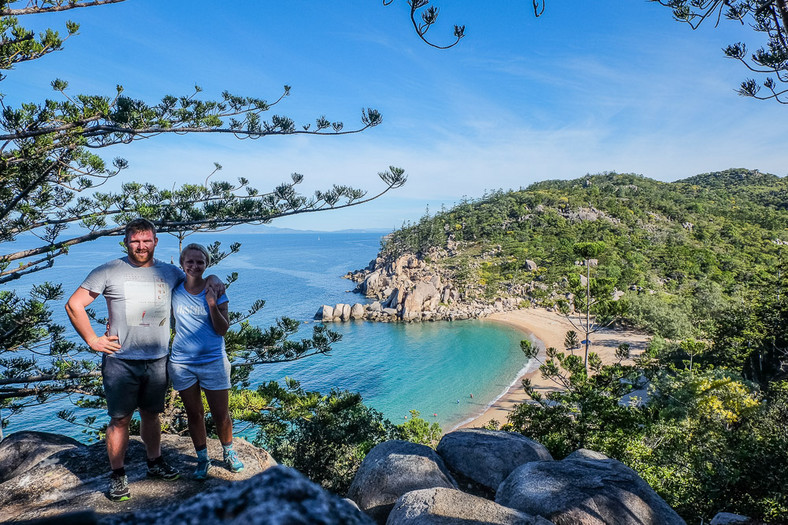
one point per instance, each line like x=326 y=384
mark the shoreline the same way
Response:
x=546 y=329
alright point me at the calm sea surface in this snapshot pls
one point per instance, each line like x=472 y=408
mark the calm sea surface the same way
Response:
x=430 y=367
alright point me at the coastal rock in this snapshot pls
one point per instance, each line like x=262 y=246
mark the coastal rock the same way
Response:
x=392 y=469
x=342 y=312
x=374 y=307
x=585 y=491
x=325 y=313
x=75 y=477
x=484 y=458
x=424 y=296
x=357 y=311
x=441 y=506
x=278 y=496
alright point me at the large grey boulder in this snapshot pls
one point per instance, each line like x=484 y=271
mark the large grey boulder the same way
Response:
x=441 y=506
x=325 y=313
x=278 y=496
x=21 y=451
x=74 y=477
x=423 y=297
x=392 y=469
x=357 y=311
x=582 y=490
x=486 y=457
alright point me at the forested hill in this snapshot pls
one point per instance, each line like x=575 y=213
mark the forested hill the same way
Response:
x=681 y=251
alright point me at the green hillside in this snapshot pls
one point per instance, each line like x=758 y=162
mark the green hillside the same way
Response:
x=695 y=244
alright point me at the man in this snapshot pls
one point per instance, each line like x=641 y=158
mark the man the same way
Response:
x=134 y=362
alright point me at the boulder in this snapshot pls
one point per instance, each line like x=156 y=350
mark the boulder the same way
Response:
x=392 y=469
x=584 y=490
x=75 y=478
x=419 y=299
x=21 y=451
x=484 y=458
x=278 y=496
x=530 y=265
x=374 y=307
x=325 y=313
x=440 y=506
x=728 y=518
x=357 y=311
x=342 y=311
x=390 y=311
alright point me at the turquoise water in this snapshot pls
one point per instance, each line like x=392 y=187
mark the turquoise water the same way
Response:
x=449 y=371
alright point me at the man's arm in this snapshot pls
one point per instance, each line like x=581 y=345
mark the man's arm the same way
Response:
x=75 y=308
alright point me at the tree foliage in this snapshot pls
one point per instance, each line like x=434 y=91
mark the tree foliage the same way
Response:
x=705 y=439
x=768 y=18
x=50 y=190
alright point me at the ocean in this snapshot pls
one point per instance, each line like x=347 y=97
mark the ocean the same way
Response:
x=448 y=371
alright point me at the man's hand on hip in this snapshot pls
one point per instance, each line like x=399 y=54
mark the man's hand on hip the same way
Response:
x=106 y=344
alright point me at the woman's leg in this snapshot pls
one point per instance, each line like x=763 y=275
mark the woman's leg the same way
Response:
x=219 y=403
x=192 y=402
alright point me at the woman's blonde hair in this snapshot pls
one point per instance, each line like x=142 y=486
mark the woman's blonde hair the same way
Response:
x=199 y=248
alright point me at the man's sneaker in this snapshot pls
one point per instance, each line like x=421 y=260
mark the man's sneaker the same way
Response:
x=201 y=472
x=119 y=487
x=231 y=458
x=161 y=470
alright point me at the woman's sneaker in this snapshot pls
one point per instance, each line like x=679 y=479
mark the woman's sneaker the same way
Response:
x=119 y=487
x=231 y=458
x=161 y=470
x=201 y=472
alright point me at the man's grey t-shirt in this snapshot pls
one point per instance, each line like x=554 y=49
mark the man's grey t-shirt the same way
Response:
x=138 y=304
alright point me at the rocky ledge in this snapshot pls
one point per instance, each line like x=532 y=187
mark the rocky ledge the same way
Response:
x=474 y=476
x=410 y=289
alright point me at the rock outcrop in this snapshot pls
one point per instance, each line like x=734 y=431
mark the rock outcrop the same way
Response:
x=409 y=289
x=48 y=477
x=392 y=469
x=278 y=496
x=585 y=488
x=43 y=475
x=441 y=506
x=482 y=459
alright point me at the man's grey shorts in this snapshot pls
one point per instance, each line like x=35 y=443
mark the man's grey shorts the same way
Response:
x=214 y=375
x=133 y=383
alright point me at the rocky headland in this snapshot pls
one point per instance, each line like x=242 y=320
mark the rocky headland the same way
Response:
x=415 y=288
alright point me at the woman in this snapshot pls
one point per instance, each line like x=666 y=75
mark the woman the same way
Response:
x=198 y=360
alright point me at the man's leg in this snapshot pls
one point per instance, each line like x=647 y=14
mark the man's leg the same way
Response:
x=117 y=441
x=150 y=432
x=151 y=404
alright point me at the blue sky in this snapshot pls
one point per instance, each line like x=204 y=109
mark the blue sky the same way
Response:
x=588 y=87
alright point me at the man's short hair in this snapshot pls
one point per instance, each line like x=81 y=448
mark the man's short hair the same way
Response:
x=199 y=248
x=139 y=225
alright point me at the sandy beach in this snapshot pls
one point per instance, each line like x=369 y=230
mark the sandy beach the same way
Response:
x=548 y=329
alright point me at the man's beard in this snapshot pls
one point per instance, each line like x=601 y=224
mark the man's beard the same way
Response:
x=141 y=258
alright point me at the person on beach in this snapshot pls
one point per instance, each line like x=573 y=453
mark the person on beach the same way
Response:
x=198 y=362
x=137 y=289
